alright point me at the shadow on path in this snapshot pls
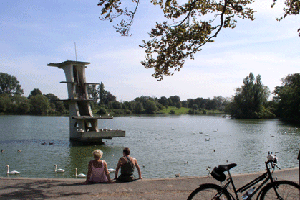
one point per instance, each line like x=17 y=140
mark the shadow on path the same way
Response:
x=39 y=190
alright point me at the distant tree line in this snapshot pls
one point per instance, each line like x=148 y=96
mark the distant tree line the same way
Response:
x=154 y=105
x=12 y=101
x=249 y=102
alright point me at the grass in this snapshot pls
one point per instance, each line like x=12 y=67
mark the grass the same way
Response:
x=179 y=111
x=184 y=110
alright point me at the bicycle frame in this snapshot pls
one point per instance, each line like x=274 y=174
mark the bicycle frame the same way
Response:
x=265 y=177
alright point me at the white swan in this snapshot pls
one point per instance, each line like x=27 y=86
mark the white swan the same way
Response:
x=111 y=170
x=11 y=172
x=58 y=170
x=81 y=175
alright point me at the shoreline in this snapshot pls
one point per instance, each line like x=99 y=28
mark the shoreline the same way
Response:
x=158 y=188
x=14 y=177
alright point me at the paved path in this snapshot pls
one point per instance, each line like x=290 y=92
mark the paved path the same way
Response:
x=167 y=189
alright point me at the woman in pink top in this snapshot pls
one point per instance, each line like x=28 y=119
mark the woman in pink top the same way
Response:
x=97 y=169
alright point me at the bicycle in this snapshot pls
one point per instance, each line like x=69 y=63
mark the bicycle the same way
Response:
x=265 y=186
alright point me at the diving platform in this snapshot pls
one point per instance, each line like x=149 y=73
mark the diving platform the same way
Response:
x=83 y=126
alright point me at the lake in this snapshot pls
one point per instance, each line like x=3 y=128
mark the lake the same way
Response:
x=163 y=145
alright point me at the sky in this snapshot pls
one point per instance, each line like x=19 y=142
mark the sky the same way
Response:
x=34 y=33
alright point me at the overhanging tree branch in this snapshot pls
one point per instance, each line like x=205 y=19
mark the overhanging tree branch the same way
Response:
x=171 y=44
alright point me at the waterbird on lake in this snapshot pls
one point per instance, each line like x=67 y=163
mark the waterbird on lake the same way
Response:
x=19 y=150
x=81 y=175
x=51 y=143
x=43 y=143
x=58 y=170
x=208 y=170
x=207 y=139
x=11 y=172
x=2 y=150
x=177 y=175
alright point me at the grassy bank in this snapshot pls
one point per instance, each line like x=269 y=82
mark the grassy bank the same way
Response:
x=168 y=110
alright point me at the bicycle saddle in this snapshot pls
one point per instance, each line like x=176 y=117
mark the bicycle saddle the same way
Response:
x=218 y=172
x=226 y=167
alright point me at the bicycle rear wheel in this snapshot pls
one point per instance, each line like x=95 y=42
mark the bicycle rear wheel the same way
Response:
x=209 y=191
x=286 y=190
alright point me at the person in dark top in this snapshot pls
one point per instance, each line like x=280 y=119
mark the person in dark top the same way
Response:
x=127 y=165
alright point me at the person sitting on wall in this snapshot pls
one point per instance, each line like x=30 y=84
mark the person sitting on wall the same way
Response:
x=97 y=169
x=127 y=165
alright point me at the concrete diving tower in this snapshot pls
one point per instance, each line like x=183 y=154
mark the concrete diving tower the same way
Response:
x=83 y=126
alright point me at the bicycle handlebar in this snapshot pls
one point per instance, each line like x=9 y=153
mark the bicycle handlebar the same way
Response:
x=272 y=159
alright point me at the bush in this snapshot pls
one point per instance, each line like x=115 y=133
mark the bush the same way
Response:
x=172 y=112
x=102 y=111
x=192 y=112
x=118 y=111
x=266 y=113
x=128 y=112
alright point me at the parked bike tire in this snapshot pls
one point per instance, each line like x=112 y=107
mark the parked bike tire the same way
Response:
x=209 y=191
x=286 y=190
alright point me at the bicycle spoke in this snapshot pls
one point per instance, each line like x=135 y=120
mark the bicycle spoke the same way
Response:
x=209 y=192
x=283 y=191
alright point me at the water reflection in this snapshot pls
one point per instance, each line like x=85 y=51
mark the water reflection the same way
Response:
x=163 y=145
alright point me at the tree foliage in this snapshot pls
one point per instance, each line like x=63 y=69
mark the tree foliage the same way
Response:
x=150 y=107
x=55 y=104
x=93 y=92
x=39 y=104
x=248 y=103
x=288 y=98
x=34 y=92
x=102 y=93
x=20 y=104
x=163 y=101
x=105 y=96
x=292 y=7
x=187 y=28
x=5 y=103
x=9 y=85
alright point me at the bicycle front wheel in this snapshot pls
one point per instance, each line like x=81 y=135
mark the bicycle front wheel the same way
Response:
x=209 y=191
x=286 y=190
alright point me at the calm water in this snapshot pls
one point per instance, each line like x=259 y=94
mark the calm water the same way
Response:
x=163 y=145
